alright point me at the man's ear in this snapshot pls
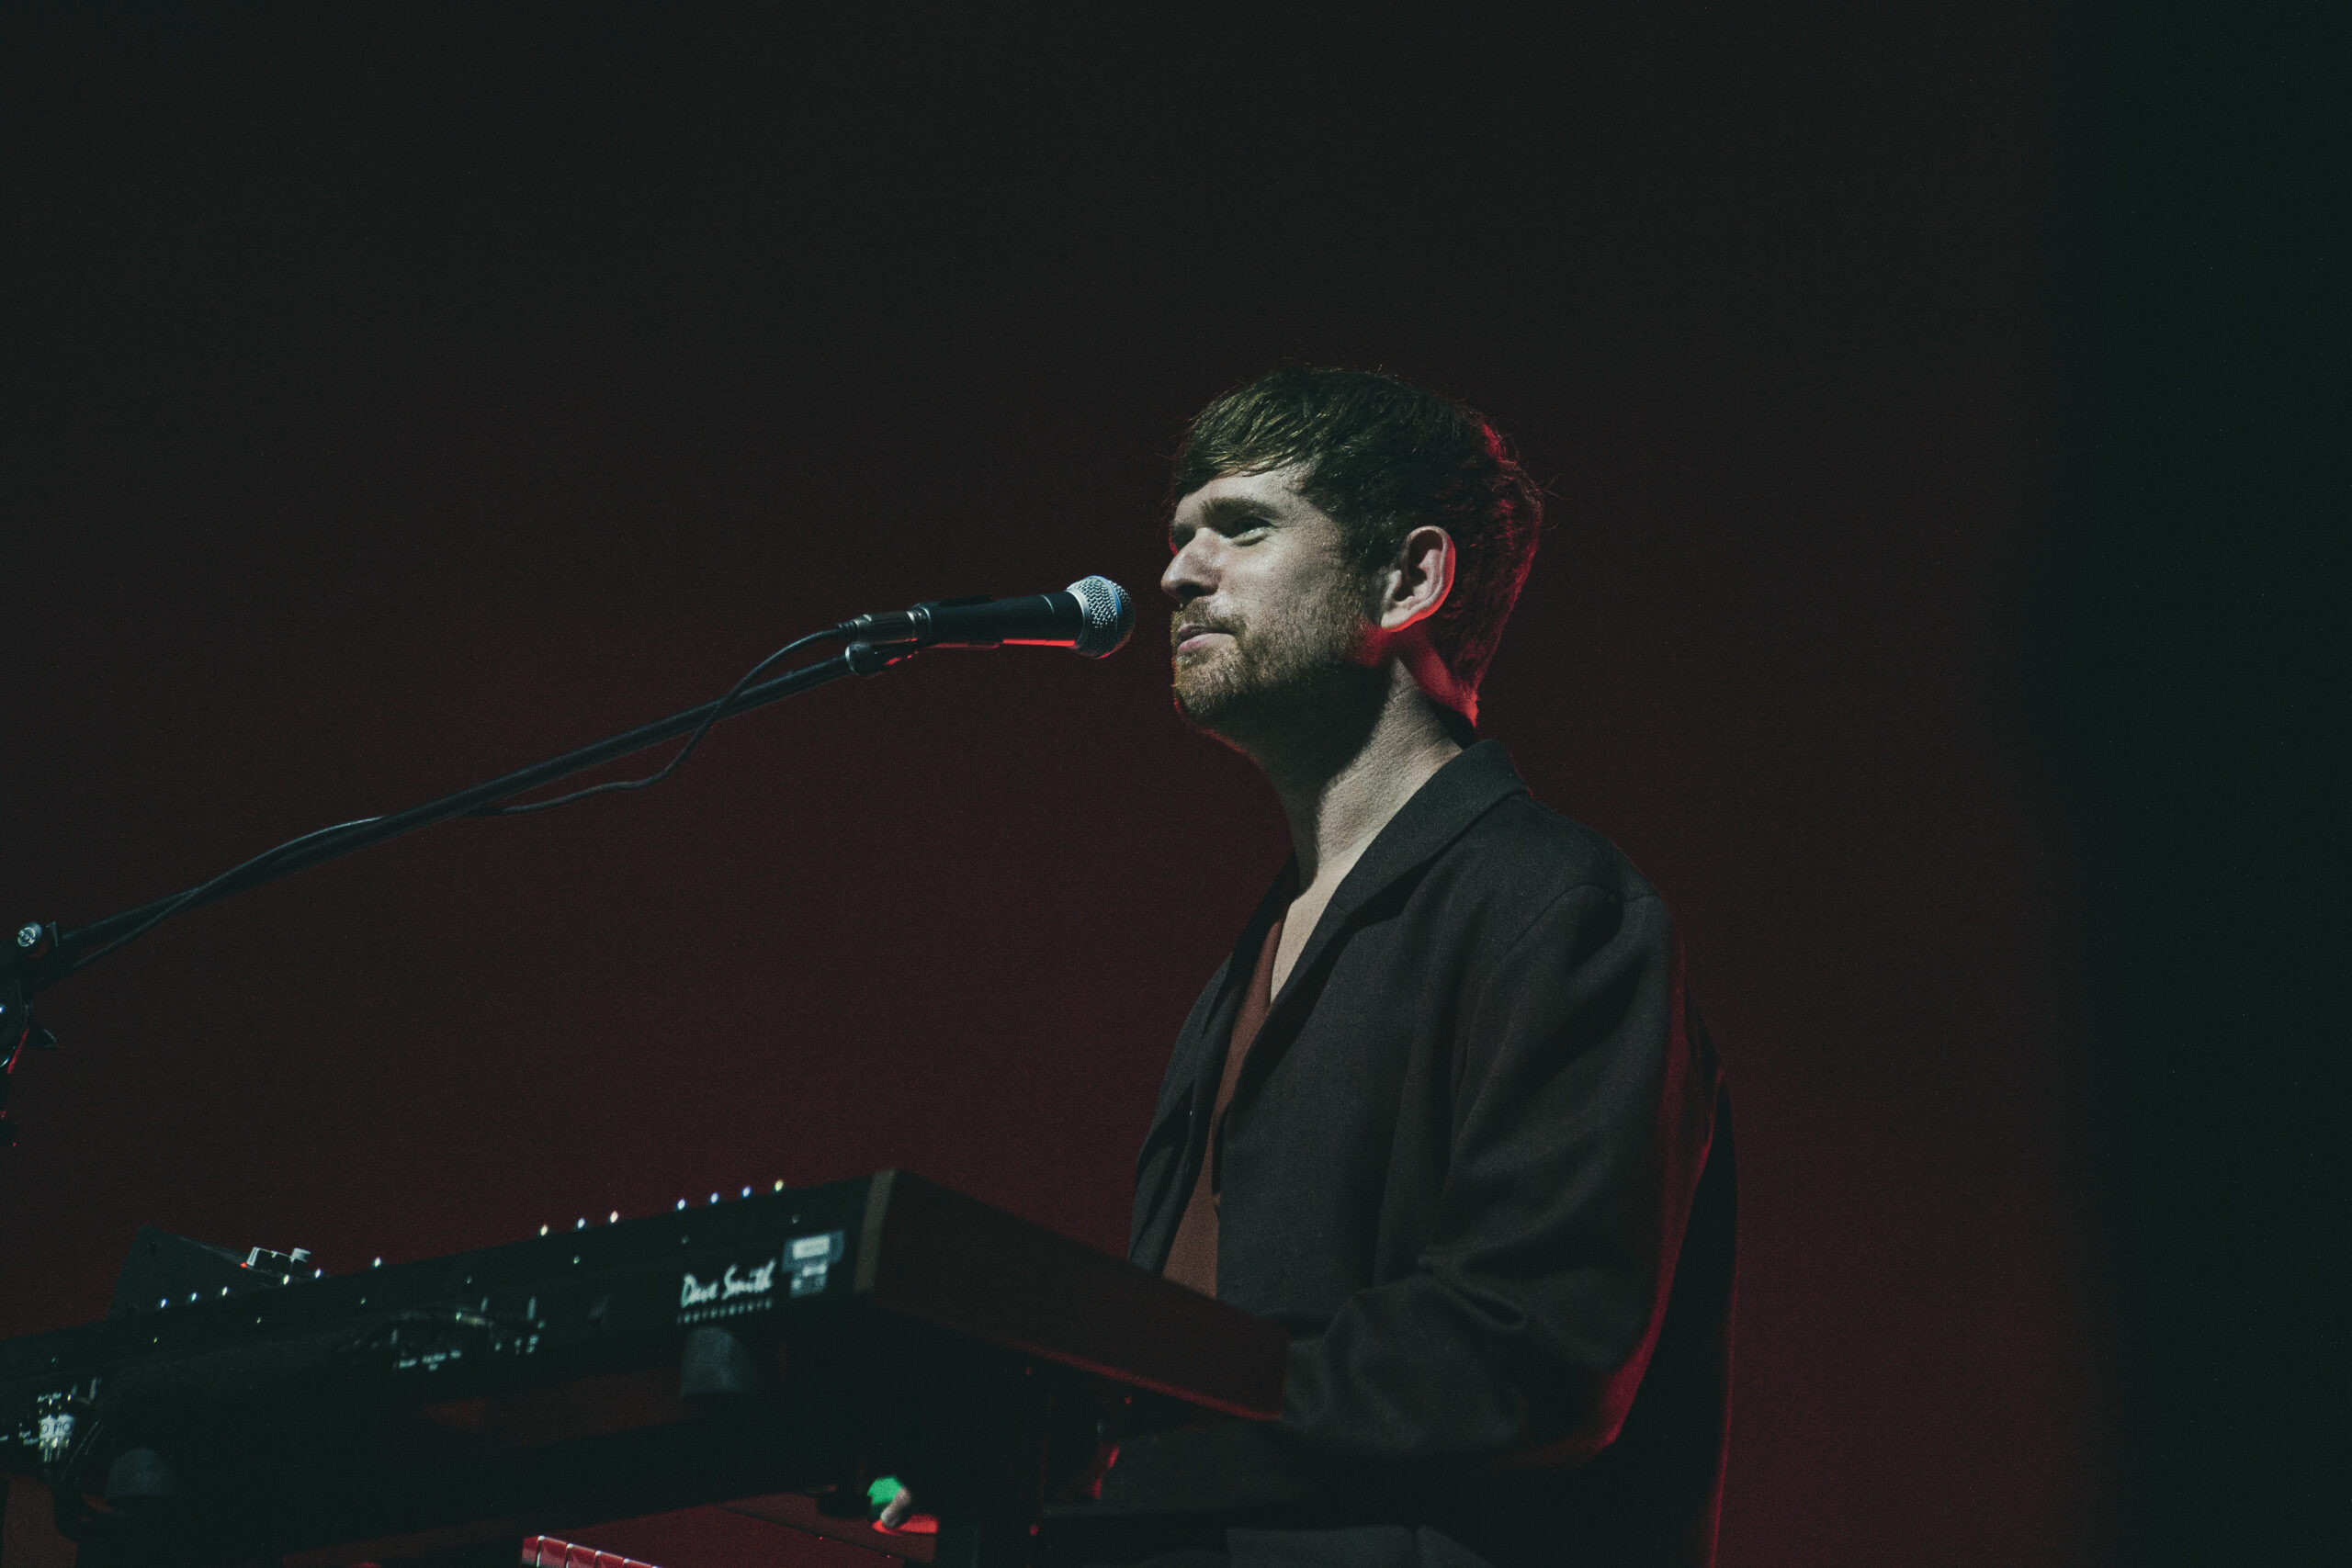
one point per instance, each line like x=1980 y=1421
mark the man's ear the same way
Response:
x=1417 y=585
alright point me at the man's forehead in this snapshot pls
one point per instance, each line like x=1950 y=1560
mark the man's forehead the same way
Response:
x=1268 y=491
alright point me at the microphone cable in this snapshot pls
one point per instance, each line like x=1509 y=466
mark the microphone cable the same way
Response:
x=194 y=894
x=649 y=780
x=260 y=862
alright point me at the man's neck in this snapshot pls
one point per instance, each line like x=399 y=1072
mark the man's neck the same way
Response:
x=1338 y=805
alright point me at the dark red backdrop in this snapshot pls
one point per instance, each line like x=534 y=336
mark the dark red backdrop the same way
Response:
x=402 y=398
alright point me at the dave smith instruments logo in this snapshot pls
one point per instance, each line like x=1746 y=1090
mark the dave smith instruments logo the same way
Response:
x=802 y=1271
x=728 y=1286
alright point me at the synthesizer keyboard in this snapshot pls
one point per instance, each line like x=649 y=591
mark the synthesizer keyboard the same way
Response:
x=789 y=1340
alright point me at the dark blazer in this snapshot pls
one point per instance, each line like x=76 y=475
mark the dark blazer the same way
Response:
x=1479 y=1163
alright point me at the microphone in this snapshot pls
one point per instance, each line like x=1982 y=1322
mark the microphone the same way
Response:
x=1092 y=616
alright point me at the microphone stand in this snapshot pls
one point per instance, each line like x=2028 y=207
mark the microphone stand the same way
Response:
x=36 y=955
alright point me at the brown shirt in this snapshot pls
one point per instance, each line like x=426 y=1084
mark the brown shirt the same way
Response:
x=1192 y=1260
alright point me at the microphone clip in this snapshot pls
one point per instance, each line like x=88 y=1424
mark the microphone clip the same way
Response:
x=869 y=659
x=912 y=626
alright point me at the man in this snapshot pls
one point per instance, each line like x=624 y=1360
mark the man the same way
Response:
x=1445 y=1112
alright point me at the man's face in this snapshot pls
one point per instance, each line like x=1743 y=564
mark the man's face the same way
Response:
x=1270 y=618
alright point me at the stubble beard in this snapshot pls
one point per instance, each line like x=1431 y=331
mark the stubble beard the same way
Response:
x=1277 y=687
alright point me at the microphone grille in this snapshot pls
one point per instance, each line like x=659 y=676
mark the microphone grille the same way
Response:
x=1110 y=616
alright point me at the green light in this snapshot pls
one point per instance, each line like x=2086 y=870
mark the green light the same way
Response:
x=878 y=1496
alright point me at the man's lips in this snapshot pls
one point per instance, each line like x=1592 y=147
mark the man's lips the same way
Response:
x=1188 y=638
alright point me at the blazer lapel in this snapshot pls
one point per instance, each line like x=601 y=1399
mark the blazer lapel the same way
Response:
x=1188 y=1096
x=1440 y=811
x=1241 y=965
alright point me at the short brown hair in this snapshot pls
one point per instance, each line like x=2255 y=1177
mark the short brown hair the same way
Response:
x=1384 y=457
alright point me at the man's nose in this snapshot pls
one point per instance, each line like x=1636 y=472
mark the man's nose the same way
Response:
x=1189 y=574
